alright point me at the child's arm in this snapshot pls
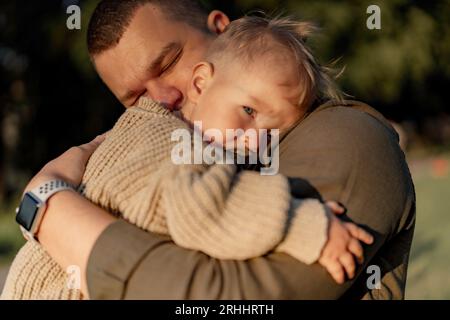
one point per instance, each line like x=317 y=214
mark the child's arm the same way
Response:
x=239 y=215
x=232 y=215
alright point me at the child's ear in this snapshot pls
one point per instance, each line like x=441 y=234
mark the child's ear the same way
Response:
x=201 y=76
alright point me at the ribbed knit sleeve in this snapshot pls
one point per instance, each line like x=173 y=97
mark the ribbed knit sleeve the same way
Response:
x=307 y=230
x=34 y=275
x=231 y=215
x=225 y=214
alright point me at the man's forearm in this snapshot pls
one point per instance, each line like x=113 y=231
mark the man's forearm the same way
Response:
x=70 y=228
x=129 y=263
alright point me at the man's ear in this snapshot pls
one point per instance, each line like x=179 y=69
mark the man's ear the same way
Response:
x=217 y=21
x=202 y=75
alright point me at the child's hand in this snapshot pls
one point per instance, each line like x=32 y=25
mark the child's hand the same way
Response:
x=343 y=246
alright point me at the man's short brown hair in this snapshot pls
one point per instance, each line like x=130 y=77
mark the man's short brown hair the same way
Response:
x=112 y=17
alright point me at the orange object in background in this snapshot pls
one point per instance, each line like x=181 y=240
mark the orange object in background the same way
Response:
x=440 y=167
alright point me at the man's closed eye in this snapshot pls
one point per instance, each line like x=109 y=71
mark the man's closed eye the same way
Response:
x=172 y=63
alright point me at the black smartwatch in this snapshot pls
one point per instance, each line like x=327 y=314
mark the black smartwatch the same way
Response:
x=33 y=205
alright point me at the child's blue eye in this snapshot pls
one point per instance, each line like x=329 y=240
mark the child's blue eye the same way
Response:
x=249 y=110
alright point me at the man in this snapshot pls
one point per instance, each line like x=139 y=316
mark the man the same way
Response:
x=344 y=153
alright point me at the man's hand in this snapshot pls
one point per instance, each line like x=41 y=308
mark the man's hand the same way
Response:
x=343 y=246
x=69 y=166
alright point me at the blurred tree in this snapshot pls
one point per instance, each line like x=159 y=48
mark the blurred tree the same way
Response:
x=402 y=69
x=50 y=97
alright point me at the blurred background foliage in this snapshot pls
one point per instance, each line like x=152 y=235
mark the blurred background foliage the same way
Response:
x=51 y=97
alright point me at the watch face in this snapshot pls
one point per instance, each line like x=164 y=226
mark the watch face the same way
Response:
x=27 y=211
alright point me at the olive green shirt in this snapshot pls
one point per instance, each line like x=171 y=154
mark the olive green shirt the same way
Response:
x=344 y=153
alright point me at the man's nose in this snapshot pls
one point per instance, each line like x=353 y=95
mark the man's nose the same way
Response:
x=170 y=96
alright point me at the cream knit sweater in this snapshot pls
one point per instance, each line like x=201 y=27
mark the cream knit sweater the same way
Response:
x=215 y=209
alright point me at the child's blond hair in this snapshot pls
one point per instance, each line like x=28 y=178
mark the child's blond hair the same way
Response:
x=251 y=36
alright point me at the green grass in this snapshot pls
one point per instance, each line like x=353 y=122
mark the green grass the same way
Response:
x=429 y=269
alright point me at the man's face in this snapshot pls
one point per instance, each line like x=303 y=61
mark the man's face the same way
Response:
x=154 y=58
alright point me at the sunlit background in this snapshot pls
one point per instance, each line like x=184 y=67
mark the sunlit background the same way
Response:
x=51 y=99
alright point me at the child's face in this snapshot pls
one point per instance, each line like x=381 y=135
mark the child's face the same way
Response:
x=229 y=95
